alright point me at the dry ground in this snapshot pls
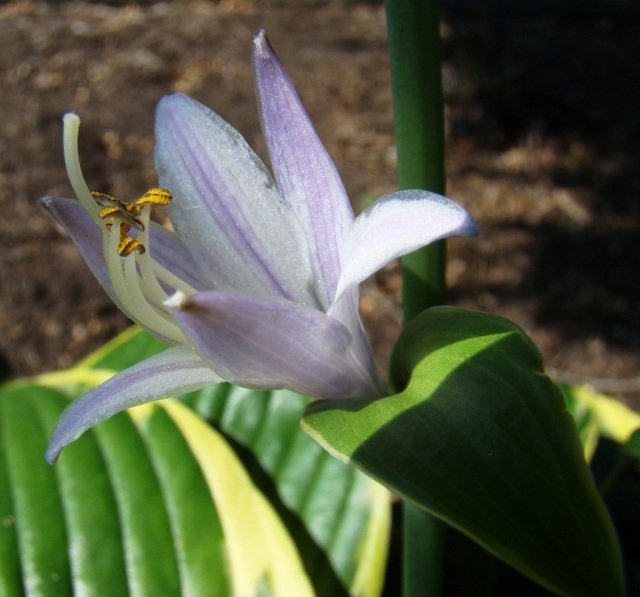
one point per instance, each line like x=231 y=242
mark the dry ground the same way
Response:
x=543 y=137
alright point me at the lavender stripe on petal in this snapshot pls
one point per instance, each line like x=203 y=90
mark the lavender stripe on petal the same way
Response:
x=305 y=173
x=225 y=194
x=266 y=343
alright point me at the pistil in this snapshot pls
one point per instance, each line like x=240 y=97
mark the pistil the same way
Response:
x=71 y=126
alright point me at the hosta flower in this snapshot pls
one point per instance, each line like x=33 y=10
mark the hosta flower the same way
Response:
x=257 y=283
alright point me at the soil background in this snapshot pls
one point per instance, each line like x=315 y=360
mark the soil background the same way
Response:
x=543 y=141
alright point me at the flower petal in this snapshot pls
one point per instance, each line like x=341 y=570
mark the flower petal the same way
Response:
x=226 y=209
x=395 y=225
x=165 y=248
x=87 y=236
x=272 y=343
x=305 y=173
x=175 y=371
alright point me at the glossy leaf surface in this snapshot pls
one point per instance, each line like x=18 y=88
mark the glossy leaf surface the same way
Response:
x=481 y=438
x=157 y=501
x=597 y=415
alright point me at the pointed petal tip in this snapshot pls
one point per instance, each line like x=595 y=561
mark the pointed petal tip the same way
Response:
x=263 y=51
x=52 y=204
x=52 y=454
x=63 y=434
x=173 y=372
x=171 y=102
x=45 y=202
x=261 y=45
x=469 y=227
x=70 y=214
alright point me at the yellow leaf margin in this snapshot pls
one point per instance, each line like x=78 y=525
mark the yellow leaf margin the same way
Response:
x=260 y=552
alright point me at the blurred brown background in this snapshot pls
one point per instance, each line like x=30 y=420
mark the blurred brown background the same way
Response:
x=543 y=145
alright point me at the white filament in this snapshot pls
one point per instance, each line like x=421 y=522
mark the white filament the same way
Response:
x=124 y=279
x=169 y=278
x=148 y=280
x=150 y=316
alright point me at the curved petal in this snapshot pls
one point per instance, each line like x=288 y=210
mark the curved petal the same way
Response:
x=226 y=209
x=305 y=173
x=87 y=236
x=395 y=225
x=175 y=371
x=271 y=343
x=165 y=247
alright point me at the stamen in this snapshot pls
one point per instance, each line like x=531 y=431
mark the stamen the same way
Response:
x=155 y=196
x=107 y=213
x=118 y=210
x=151 y=288
x=103 y=199
x=129 y=215
x=114 y=267
x=169 y=278
x=151 y=317
x=128 y=245
x=124 y=279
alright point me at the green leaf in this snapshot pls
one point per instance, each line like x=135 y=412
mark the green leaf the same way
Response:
x=37 y=509
x=339 y=518
x=126 y=349
x=195 y=524
x=90 y=508
x=481 y=438
x=632 y=445
x=9 y=563
x=116 y=514
x=258 y=549
x=598 y=415
x=164 y=504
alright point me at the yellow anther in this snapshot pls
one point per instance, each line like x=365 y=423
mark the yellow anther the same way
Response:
x=120 y=212
x=114 y=209
x=127 y=214
x=128 y=245
x=155 y=196
x=103 y=199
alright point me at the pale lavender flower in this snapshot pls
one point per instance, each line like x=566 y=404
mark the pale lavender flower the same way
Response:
x=258 y=283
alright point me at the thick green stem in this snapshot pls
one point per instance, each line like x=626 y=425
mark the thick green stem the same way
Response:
x=413 y=27
x=418 y=112
x=423 y=538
